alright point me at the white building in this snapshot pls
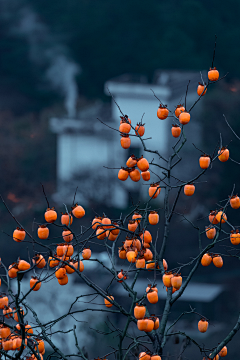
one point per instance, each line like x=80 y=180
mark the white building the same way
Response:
x=85 y=145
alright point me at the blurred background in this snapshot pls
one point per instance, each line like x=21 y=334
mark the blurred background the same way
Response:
x=58 y=62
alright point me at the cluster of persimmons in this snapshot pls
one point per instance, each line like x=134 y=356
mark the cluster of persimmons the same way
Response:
x=12 y=340
x=136 y=248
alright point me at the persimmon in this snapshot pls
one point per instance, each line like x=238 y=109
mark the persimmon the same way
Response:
x=60 y=250
x=213 y=74
x=162 y=112
x=189 y=189
x=215 y=357
x=64 y=257
x=184 y=118
x=156 y=357
x=7 y=312
x=130 y=244
x=132 y=161
x=63 y=281
x=165 y=265
x=143 y=164
x=125 y=127
x=201 y=89
x=179 y=109
x=34 y=280
x=235 y=202
x=140 y=263
x=41 y=346
x=204 y=161
x=13 y=270
x=125 y=141
x=19 y=234
x=131 y=256
x=206 y=260
x=223 y=154
x=60 y=273
x=7 y=345
x=121 y=276
x=139 y=311
x=146 y=236
x=86 y=253
x=66 y=219
x=28 y=329
x=176 y=281
x=144 y=356
x=123 y=174
x=68 y=250
x=78 y=211
x=17 y=342
x=213 y=218
x=43 y=232
x=218 y=261
x=203 y=325
x=122 y=253
x=142 y=324
x=146 y=175
x=154 y=190
x=107 y=302
x=116 y=229
x=78 y=266
x=134 y=174
x=50 y=215
x=146 y=245
x=148 y=255
x=221 y=217
x=156 y=322
x=176 y=131
x=167 y=279
x=39 y=261
x=16 y=314
x=111 y=236
x=210 y=232
x=152 y=296
x=23 y=265
x=3 y=301
x=235 y=237
x=132 y=225
x=53 y=262
x=153 y=218
x=67 y=235
x=223 y=352
x=101 y=233
x=106 y=222
x=150 y=325
x=97 y=221
x=69 y=269
x=137 y=217
x=4 y=332
x=151 y=265
x=139 y=129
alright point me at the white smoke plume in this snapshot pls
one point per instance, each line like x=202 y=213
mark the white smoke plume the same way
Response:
x=45 y=51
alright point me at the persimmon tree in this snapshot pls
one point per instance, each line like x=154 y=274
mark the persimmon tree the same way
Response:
x=20 y=340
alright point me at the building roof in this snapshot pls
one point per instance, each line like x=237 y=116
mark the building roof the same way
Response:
x=86 y=121
x=166 y=84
